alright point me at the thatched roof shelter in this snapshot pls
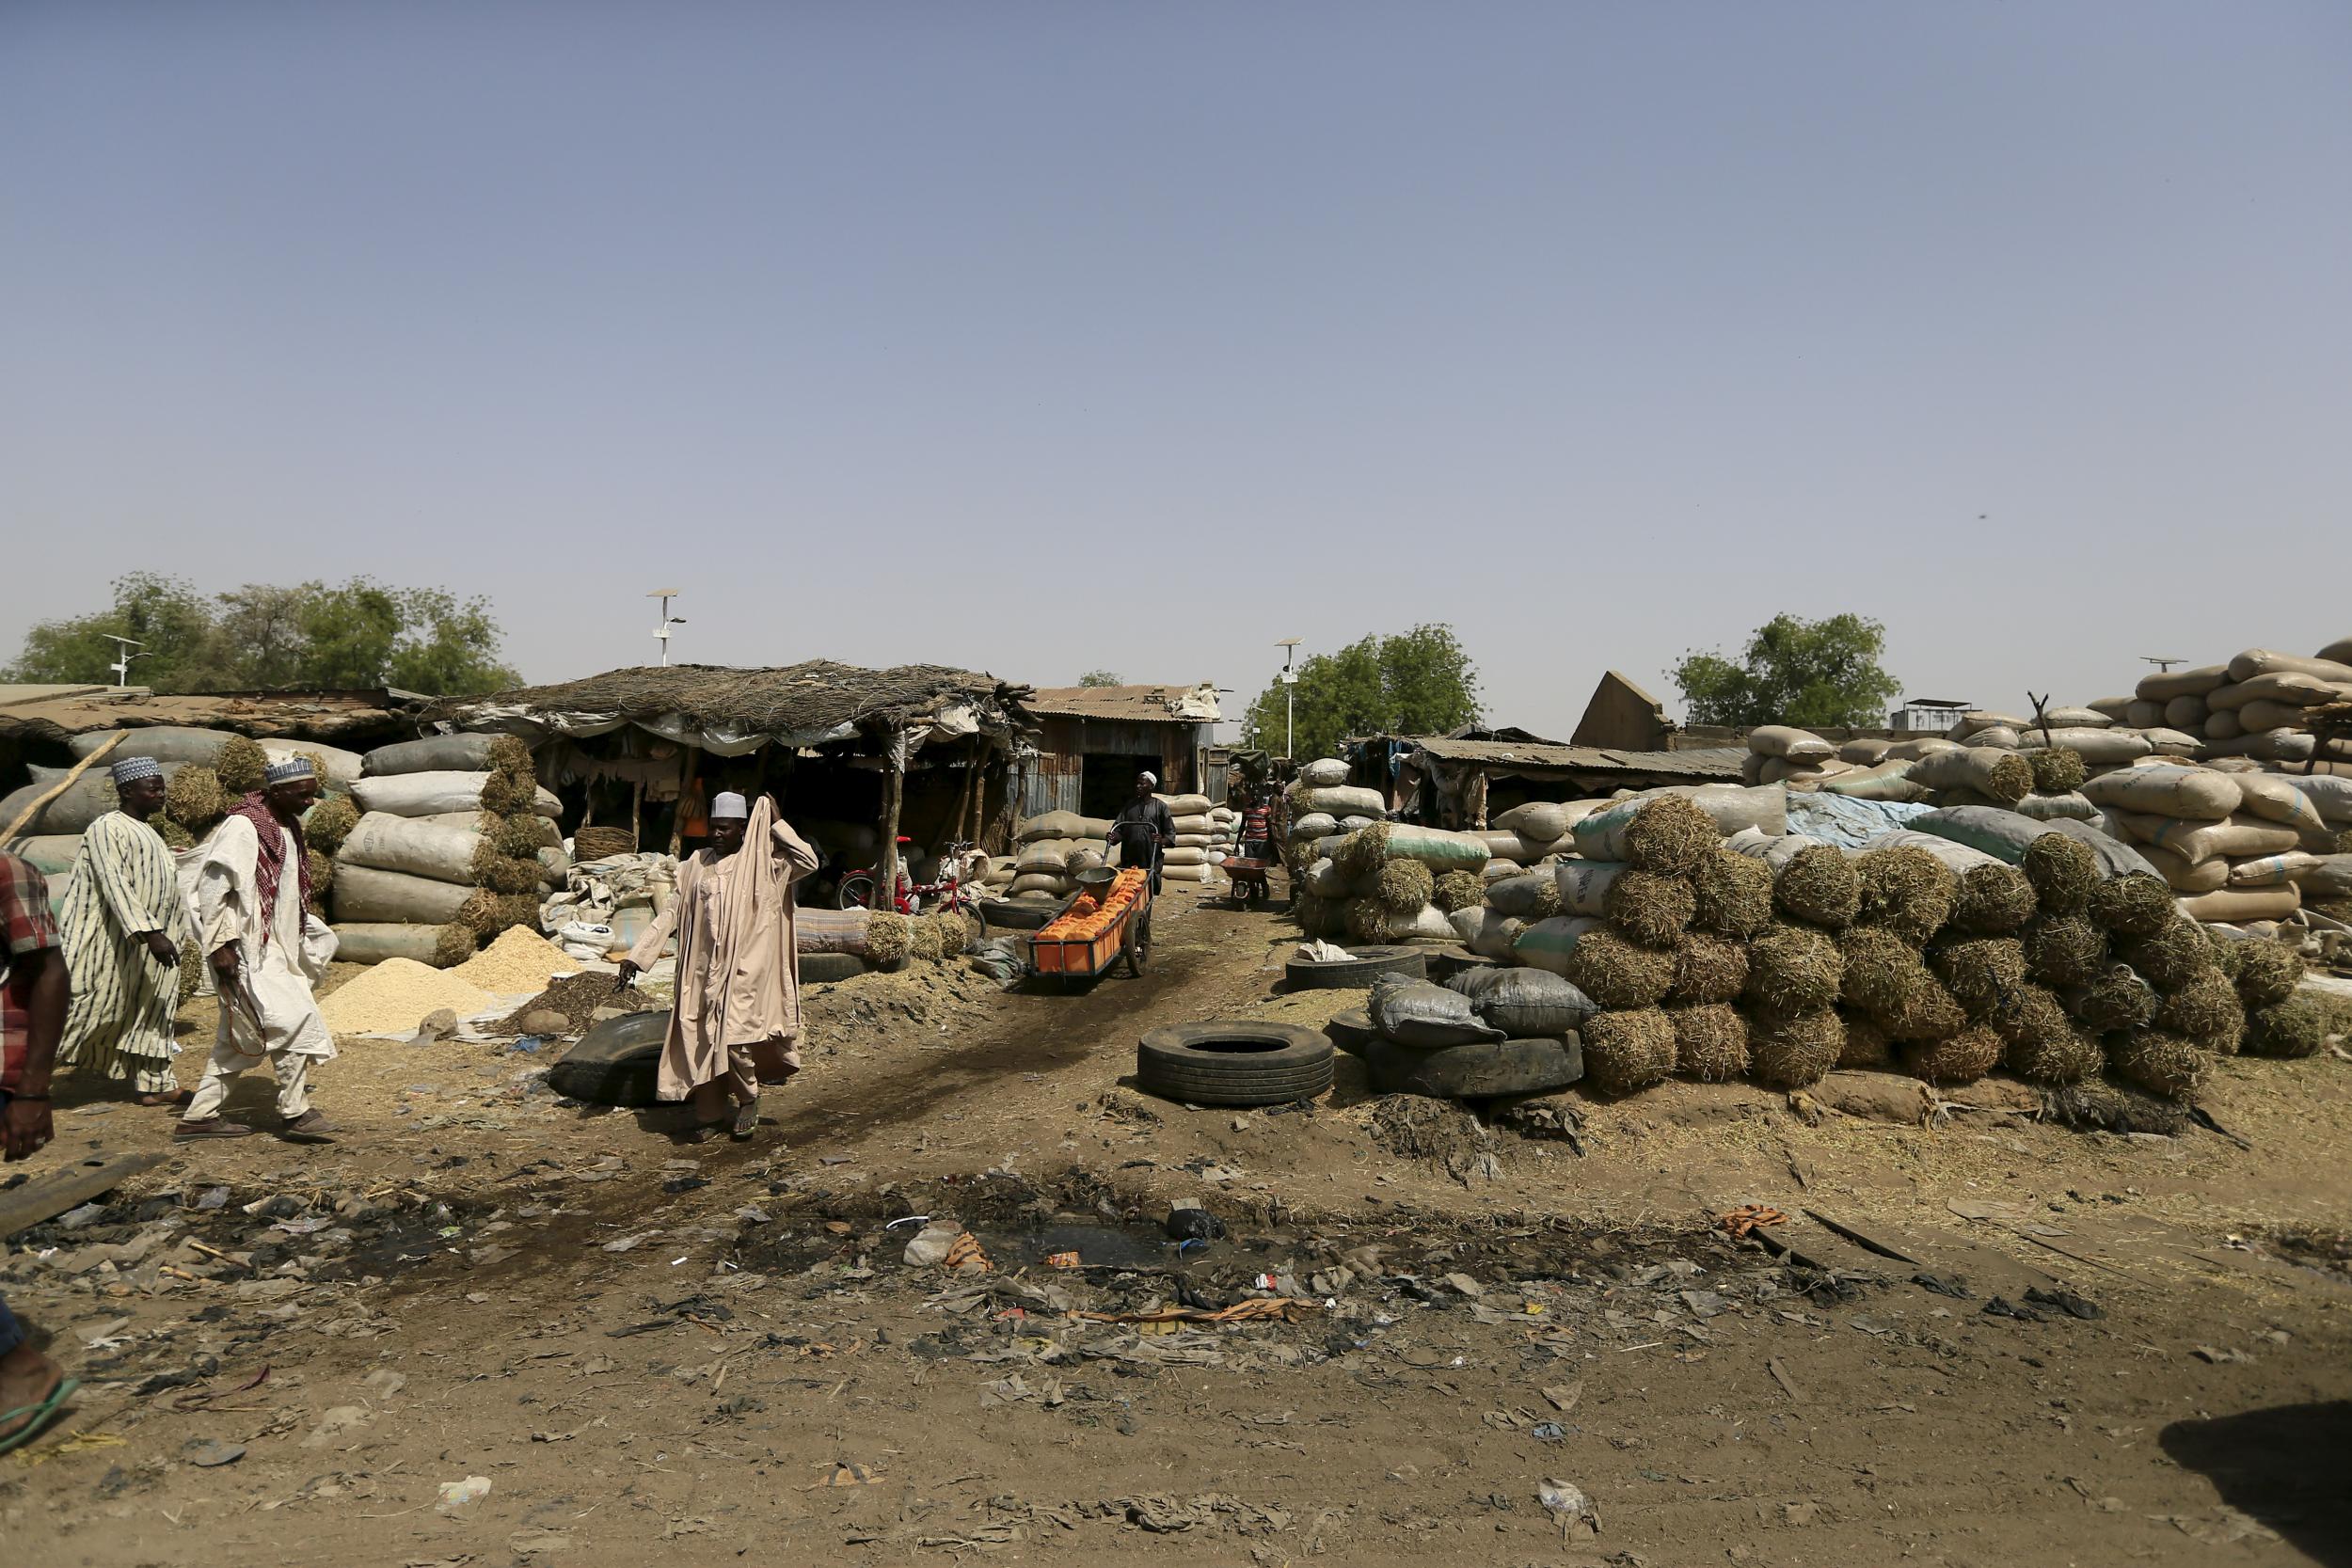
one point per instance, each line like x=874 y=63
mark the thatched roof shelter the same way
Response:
x=730 y=711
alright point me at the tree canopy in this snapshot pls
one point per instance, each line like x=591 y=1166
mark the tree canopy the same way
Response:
x=1419 y=682
x=1794 y=672
x=1099 y=677
x=262 y=637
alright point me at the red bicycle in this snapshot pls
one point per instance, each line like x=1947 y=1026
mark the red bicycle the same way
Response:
x=949 y=893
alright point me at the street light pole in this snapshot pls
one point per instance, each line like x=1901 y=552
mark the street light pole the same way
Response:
x=661 y=632
x=1290 y=694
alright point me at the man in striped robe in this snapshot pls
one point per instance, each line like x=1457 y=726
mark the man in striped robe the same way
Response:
x=123 y=923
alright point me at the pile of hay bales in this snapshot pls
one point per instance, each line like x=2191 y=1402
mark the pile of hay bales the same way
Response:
x=463 y=853
x=1922 y=956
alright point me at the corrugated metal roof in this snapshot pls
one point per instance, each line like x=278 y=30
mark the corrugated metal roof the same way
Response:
x=1144 y=705
x=1711 y=762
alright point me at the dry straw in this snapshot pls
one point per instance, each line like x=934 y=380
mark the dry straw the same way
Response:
x=1708 y=970
x=1790 y=1051
x=1906 y=890
x=1402 y=887
x=2207 y=1012
x=2056 y=771
x=1934 y=1014
x=2296 y=1027
x=326 y=825
x=1961 y=1059
x=2159 y=1062
x=1819 y=886
x=2067 y=1057
x=2062 y=871
x=1710 y=1043
x=1628 y=1050
x=2136 y=904
x=1650 y=908
x=452 y=945
x=2173 y=957
x=1866 y=1044
x=2118 y=999
x=1793 y=970
x=2064 y=950
x=195 y=800
x=1459 y=889
x=1994 y=899
x=1618 y=973
x=1979 y=970
x=1883 y=974
x=240 y=764
x=1731 y=893
x=2267 y=972
x=886 y=938
x=1670 y=835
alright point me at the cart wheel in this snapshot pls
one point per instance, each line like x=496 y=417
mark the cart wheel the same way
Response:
x=1136 y=945
x=972 y=908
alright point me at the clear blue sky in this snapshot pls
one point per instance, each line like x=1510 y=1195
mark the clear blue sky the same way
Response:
x=1042 y=337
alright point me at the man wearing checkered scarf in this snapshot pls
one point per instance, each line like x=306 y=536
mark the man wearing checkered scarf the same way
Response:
x=250 y=881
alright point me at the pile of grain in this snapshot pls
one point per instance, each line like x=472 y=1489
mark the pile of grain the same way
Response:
x=519 y=962
x=576 y=996
x=397 y=995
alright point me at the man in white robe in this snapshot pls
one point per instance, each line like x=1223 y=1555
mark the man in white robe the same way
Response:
x=123 y=924
x=252 y=882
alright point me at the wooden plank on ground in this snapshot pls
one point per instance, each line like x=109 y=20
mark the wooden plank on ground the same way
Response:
x=51 y=1193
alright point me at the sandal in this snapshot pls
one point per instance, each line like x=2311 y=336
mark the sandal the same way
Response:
x=746 y=1121
x=703 y=1131
x=36 y=1416
x=171 y=1102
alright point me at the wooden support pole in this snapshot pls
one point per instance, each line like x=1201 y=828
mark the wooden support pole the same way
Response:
x=893 y=789
x=677 y=816
x=61 y=786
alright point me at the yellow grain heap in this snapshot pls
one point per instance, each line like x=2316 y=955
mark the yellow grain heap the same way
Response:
x=519 y=963
x=397 y=995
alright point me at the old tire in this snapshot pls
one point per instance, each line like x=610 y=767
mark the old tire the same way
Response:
x=1477 y=1071
x=1358 y=972
x=819 y=969
x=1351 y=1030
x=615 y=1062
x=1444 y=963
x=1009 y=915
x=1233 y=1062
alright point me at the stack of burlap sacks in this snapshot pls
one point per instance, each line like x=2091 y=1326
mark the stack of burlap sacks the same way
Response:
x=452 y=841
x=2257 y=706
x=1758 y=955
x=1053 y=849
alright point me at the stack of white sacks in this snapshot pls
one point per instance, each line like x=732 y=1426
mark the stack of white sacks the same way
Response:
x=1050 y=849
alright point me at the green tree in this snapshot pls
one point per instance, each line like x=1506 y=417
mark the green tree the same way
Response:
x=1099 y=677
x=1419 y=682
x=1794 y=672
x=262 y=636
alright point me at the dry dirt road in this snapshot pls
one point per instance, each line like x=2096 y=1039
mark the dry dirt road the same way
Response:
x=618 y=1347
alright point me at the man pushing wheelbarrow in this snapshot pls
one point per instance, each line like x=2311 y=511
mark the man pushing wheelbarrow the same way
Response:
x=1143 y=829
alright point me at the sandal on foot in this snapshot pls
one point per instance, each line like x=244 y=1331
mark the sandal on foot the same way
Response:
x=746 y=1121
x=172 y=1101
x=36 y=1416
x=210 y=1127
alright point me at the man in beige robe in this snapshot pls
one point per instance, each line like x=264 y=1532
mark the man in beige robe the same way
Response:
x=737 y=1020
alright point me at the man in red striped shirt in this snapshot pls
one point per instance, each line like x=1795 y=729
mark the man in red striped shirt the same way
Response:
x=33 y=987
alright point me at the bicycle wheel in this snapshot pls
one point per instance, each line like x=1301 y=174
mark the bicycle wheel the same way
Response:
x=980 y=917
x=857 y=892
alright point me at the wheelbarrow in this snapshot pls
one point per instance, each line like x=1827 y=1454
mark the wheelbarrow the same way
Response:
x=1249 y=878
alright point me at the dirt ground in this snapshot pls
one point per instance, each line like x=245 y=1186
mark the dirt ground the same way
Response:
x=621 y=1345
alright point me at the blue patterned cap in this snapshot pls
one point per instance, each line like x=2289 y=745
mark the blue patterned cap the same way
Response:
x=132 y=770
x=289 y=770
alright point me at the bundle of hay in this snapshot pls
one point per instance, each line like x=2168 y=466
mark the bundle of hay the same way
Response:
x=1462 y=890
x=1995 y=900
x=923 y=942
x=1403 y=887
x=596 y=844
x=1905 y=890
x=1819 y=886
x=2267 y=972
x=1979 y=971
x=1629 y=1049
x=1793 y=970
x=1931 y=1014
x=1882 y=974
x=1650 y=908
x=2119 y=998
x=1963 y=1058
x=2159 y=1062
x=2064 y=950
x=2057 y=770
x=1790 y=1051
x=2136 y=904
x=955 y=933
x=1360 y=853
x=241 y=766
x=452 y=945
x=1619 y=973
x=887 y=938
x=2041 y=1054
x=325 y=826
x=1866 y=1046
x=1670 y=835
x=2206 y=1012
x=1732 y=893
x=1710 y=1042
x=322 y=879
x=2062 y=871
x=196 y=800
x=1708 y=970
x=503 y=874
x=174 y=836
x=2174 y=957
x=2294 y=1028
